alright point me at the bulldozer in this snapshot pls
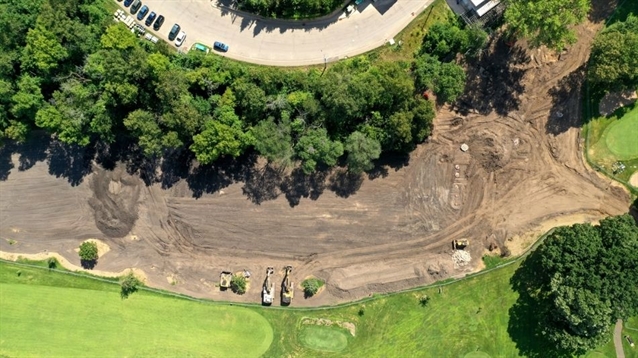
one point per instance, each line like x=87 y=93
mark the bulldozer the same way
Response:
x=268 y=289
x=287 y=288
x=460 y=244
x=224 y=279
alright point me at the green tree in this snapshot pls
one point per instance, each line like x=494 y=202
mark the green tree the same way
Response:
x=28 y=99
x=450 y=82
x=315 y=147
x=311 y=286
x=129 y=284
x=88 y=254
x=361 y=152
x=422 y=122
x=43 y=51
x=218 y=139
x=546 y=22
x=614 y=56
x=238 y=284
x=444 y=40
x=144 y=127
x=273 y=141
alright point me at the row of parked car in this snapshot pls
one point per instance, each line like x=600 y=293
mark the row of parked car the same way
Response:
x=155 y=20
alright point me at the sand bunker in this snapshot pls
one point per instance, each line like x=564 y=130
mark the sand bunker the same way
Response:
x=633 y=181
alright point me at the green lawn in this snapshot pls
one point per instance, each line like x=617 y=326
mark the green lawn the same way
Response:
x=469 y=318
x=90 y=319
x=611 y=139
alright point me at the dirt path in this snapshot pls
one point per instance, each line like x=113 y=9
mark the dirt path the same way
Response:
x=523 y=170
x=620 y=353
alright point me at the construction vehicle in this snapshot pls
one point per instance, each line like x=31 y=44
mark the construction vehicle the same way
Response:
x=287 y=288
x=460 y=244
x=267 y=294
x=224 y=280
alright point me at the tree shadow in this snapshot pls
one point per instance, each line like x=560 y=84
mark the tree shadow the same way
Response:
x=528 y=315
x=493 y=80
x=88 y=264
x=70 y=161
x=263 y=184
x=300 y=185
x=206 y=179
x=394 y=161
x=344 y=183
x=563 y=114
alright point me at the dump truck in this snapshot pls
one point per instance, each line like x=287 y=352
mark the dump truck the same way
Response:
x=460 y=244
x=267 y=294
x=287 y=288
x=224 y=279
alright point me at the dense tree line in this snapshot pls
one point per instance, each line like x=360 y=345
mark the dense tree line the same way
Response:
x=614 y=56
x=68 y=69
x=435 y=66
x=582 y=279
x=290 y=9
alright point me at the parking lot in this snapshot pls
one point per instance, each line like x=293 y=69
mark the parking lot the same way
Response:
x=286 y=43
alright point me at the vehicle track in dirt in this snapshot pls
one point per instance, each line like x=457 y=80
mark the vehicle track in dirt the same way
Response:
x=523 y=167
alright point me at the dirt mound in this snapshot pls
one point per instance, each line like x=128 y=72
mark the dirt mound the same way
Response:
x=491 y=152
x=114 y=201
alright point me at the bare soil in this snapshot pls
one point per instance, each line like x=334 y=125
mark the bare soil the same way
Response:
x=614 y=100
x=391 y=231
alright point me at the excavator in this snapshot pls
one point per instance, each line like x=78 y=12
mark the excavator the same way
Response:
x=287 y=288
x=268 y=289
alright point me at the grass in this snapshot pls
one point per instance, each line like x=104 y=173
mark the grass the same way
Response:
x=612 y=139
x=468 y=318
x=492 y=261
x=53 y=314
x=323 y=338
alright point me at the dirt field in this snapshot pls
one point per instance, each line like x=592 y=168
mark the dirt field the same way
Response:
x=523 y=169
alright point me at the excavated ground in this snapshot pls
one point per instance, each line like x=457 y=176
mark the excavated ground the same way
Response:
x=390 y=231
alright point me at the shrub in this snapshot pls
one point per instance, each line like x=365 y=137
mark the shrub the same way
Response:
x=423 y=300
x=128 y=284
x=52 y=263
x=238 y=284
x=311 y=286
x=88 y=254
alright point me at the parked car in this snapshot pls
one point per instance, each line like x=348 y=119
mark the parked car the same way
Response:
x=179 y=40
x=158 y=23
x=174 y=32
x=142 y=13
x=128 y=3
x=150 y=18
x=220 y=46
x=137 y=4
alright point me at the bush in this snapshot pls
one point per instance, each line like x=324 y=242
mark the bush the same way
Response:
x=311 y=286
x=424 y=300
x=129 y=284
x=88 y=254
x=238 y=284
x=52 y=263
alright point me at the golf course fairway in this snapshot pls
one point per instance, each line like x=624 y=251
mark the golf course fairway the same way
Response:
x=66 y=322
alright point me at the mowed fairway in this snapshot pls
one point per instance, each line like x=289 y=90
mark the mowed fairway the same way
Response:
x=48 y=321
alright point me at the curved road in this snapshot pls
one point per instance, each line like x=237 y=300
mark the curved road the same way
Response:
x=288 y=43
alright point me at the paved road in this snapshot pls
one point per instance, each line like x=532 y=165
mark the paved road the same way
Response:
x=620 y=353
x=288 y=43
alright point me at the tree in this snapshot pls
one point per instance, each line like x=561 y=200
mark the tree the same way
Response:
x=273 y=141
x=315 y=147
x=422 y=123
x=546 y=22
x=585 y=278
x=361 y=152
x=311 y=286
x=443 y=40
x=614 y=56
x=238 y=284
x=43 y=51
x=450 y=82
x=143 y=125
x=88 y=254
x=28 y=99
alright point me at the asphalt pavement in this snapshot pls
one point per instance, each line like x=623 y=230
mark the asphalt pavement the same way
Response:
x=287 y=43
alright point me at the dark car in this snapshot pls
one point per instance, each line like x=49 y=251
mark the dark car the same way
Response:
x=150 y=18
x=220 y=46
x=174 y=32
x=158 y=23
x=137 y=4
x=142 y=12
x=128 y=3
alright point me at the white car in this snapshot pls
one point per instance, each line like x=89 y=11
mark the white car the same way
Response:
x=179 y=40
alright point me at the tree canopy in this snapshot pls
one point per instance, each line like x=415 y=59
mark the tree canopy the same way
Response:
x=614 y=56
x=586 y=279
x=546 y=22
